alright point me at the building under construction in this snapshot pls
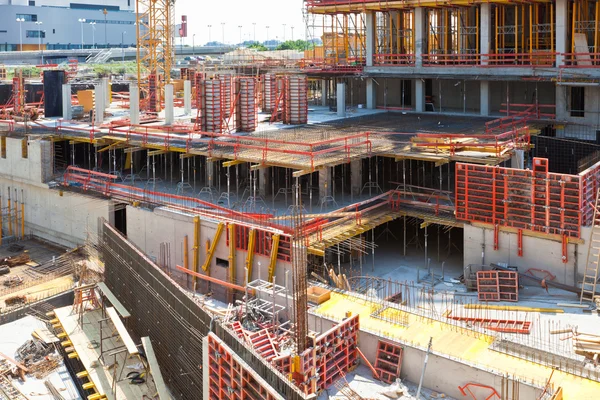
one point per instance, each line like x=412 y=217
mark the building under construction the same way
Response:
x=410 y=210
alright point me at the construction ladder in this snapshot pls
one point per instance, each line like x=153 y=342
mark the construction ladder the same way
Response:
x=590 y=276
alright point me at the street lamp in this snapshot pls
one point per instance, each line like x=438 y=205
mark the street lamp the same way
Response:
x=20 y=21
x=284 y=32
x=267 y=34
x=209 y=39
x=240 y=26
x=123 y=41
x=39 y=24
x=93 y=24
x=194 y=44
x=223 y=32
x=292 y=27
x=254 y=39
x=81 y=21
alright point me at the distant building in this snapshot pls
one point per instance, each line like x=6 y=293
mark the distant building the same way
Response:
x=108 y=23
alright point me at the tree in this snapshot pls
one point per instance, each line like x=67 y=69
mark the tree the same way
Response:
x=299 y=45
x=257 y=46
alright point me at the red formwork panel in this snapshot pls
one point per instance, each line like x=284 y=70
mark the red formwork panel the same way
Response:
x=590 y=183
x=388 y=361
x=534 y=200
x=497 y=286
x=229 y=378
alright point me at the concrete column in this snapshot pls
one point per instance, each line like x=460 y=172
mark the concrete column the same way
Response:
x=370 y=34
x=419 y=35
x=66 y=101
x=99 y=103
x=187 y=97
x=169 y=106
x=324 y=92
x=356 y=176
x=324 y=182
x=263 y=181
x=485 y=28
x=561 y=103
x=518 y=159
x=341 y=99
x=106 y=93
x=134 y=104
x=561 y=30
x=419 y=95
x=371 y=94
x=484 y=98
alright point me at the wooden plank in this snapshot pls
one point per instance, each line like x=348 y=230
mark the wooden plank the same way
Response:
x=113 y=300
x=161 y=388
x=581 y=46
x=127 y=341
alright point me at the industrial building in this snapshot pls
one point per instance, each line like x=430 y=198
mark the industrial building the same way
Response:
x=410 y=210
x=64 y=25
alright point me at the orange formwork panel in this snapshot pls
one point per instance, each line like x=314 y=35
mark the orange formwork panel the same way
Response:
x=497 y=286
x=498 y=325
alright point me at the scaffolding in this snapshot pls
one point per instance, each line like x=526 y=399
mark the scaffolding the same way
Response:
x=394 y=38
x=585 y=37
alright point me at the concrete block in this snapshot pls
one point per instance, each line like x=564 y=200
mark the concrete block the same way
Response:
x=66 y=100
x=187 y=97
x=169 y=105
x=341 y=99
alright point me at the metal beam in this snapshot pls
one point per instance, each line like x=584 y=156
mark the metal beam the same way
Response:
x=227 y=164
x=213 y=247
x=274 y=250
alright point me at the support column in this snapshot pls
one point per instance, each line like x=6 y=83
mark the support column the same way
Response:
x=107 y=94
x=356 y=176
x=561 y=103
x=66 y=102
x=263 y=181
x=187 y=97
x=210 y=170
x=370 y=37
x=485 y=28
x=371 y=94
x=324 y=182
x=169 y=106
x=518 y=159
x=419 y=95
x=99 y=104
x=134 y=104
x=484 y=98
x=562 y=28
x=419 y=35
x=341 y=99
x=324 y=92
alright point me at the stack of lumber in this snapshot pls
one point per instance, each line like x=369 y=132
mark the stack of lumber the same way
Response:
x=340 y=281
x=587 y=345
x=16 y=260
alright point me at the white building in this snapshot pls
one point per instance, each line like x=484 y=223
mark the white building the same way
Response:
x=62 y=24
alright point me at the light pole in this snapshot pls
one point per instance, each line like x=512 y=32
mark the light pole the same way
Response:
x=292 y=27
x=39 y=24
x=267 y=35
x=93 y=24
x=209 y=39
x=194 y=44
x=284 y=32
x=81 y=21
x=223 y=32
x=105 y=25
x=254 y=25
x=20 y=21
x=123 y=41
x=240 y=26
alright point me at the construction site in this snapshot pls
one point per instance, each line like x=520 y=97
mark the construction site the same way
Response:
x=409 y=209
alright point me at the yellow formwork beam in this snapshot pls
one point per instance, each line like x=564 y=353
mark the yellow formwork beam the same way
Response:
x=273 y=263
x=213 y=247
x=250 y=255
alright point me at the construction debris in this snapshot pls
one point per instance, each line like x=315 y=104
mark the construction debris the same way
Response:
x=15 y=300
x=16 y=260
x=13 y=281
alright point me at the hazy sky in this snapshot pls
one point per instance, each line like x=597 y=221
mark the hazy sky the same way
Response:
x=272 y=13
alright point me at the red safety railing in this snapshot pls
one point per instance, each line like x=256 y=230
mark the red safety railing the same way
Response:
x=351 y=65
x=10 y=124
x=449 y=60
x=435 y=201
x=581 y=60
x=529 y=111
x=105 y=184
x=61 y=129
x=503 y=124
x=394 y=59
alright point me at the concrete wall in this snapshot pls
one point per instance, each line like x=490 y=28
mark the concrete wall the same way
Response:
x=592 y=108
x=520 y=92
x=59 y=217
x=443 y=375
x=148 y=229
x=537 y=253
x=456 y=95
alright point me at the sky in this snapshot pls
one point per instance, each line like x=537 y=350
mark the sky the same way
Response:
x=272 y=13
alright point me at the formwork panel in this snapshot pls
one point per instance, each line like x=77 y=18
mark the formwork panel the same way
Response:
x=535 y=200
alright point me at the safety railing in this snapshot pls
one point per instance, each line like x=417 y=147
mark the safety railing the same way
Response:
x=9 y=124
x=449 y=60
x=529 y=111
x=394 y=59
x=438 y=202
x=581 y=60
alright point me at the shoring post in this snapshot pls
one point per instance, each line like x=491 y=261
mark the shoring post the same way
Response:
x=231 y=228
x=212 y=248
x=250 y=254
x=520 y=242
